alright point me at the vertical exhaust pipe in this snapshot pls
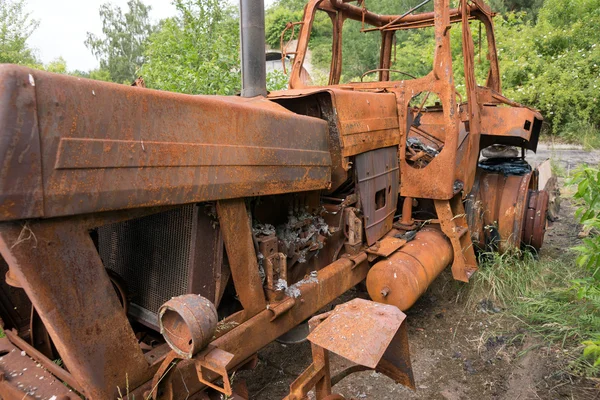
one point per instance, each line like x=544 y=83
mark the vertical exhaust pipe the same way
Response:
x=252 y=37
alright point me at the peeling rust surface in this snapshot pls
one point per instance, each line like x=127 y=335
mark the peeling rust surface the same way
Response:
x=103 y=146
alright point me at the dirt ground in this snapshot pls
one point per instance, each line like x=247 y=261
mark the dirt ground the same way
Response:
x=459 y=350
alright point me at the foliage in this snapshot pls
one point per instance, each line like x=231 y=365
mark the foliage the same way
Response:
x=587 y=180
x=277 y=80
x=58 y=66
x=554 y=65
x=121 y=48
x=592 y=350
x=276 y=19
x=16 y=26
x=197 y=51
x=530 y=7
x=550 y=295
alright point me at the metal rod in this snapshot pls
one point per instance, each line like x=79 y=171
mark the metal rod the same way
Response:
x=252 y=38
x=396 y=20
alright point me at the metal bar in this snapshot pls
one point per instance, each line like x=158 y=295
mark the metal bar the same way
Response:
x=53 y=368
x=61 y=272
x=237 y=235
x=252 y=38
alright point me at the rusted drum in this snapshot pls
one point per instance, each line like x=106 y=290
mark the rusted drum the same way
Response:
x=188 y=323
x=404 y=276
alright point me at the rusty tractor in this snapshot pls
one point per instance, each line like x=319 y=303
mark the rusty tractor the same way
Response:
x=154 y=242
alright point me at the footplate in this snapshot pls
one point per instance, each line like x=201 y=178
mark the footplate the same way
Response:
x=369 y=334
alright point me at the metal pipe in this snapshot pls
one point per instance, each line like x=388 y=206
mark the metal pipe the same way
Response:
x=252 y=38
x=407 y=206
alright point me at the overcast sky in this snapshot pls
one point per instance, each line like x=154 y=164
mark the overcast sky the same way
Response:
x=64 y=24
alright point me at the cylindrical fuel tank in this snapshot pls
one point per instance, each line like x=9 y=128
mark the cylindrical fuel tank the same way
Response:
x=404 y=276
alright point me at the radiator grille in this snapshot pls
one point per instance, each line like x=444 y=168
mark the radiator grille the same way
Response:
x=152 y=254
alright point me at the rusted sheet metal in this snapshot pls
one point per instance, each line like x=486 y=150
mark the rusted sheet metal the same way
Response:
x=516 y=126
x=76 y=302
x=21 y=192
x=371 y=335
x=377 y=175
x=403 y=277
x=365 y=121
x=454 y=224
x=386 y=246
x=359 y=330
x=104 y=146
x=22 y=378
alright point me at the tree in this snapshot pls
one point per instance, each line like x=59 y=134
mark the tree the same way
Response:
x=554 y=65
x=122 y=47
x=58 y=66
x=16 y=26
x=197 y=51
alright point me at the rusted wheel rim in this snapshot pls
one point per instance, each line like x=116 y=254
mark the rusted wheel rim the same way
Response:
x=534 y=228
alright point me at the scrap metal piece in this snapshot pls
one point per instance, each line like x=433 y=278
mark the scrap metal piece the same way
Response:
x=354 y=230
x=370 y=334
x=359 y=330
x=386 y=246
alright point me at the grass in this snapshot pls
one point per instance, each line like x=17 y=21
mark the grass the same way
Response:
x=580 y=133
x=2 y=333
x=546 y=296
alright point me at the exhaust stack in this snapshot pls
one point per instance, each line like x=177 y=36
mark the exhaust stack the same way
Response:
x=252 y=37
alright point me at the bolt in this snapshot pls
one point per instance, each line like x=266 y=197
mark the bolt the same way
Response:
x=313 y=274
x=385 y=291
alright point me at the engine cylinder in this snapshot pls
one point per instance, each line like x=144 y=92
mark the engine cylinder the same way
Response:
x=188 y=323
x=404 y=276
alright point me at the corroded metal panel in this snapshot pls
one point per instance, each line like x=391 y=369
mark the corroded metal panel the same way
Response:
x=378 y=177
x=105 y=146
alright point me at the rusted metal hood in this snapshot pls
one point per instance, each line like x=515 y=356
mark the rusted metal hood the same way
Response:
x=71 y=146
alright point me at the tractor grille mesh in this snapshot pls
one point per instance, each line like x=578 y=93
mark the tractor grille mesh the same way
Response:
x=152 y=255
